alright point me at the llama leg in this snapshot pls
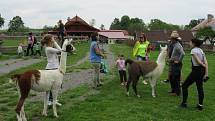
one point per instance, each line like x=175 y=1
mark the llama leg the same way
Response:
x=134 y=85
x=45 y=103
x=54 y=94
x=18 y=108
x=23 y=114
x=153 y=83
x=127 y=86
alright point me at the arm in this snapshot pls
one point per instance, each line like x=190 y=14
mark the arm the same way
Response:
x=206 y=66
x=57 y=46
x=53 y=50
x=98 y=52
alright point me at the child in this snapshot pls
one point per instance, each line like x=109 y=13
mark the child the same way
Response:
x=38 y=48
x=20 y=51
x=120 y=63
x=198 y=74
x=49 y=43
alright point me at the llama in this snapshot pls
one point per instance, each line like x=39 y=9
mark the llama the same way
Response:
x=41 y=81
x=148 y=69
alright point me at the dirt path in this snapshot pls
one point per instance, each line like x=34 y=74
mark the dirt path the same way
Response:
x=11 y=65
x=75 y=79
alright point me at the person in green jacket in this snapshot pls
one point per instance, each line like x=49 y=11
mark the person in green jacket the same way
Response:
x=140 y=50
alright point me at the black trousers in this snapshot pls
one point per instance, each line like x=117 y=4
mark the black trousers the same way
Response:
x=30 y=48
x=196 y=75
x=122 y=75
x=175 y=76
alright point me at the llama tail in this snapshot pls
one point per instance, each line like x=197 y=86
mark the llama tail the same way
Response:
x=128 y=61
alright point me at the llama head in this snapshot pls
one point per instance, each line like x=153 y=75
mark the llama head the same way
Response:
x=67 y=45
x=163 y=53
x=163 y=49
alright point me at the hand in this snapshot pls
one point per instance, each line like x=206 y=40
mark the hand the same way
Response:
x=205 y=78
x=176 y=61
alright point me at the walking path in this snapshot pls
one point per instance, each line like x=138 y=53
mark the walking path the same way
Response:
x=13 y=64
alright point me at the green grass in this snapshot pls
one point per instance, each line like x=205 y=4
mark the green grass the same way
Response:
x=13 y=42
x=111 y=103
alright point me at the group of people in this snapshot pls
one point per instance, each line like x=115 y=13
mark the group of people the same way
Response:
x=176 y=53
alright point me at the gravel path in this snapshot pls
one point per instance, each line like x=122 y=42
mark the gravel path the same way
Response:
x=75 y=79
x=11 y=65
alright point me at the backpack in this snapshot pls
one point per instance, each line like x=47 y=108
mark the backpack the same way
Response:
x=103 y=67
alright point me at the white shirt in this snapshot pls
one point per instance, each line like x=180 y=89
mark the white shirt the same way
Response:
x=19 y=50
x=52 y=57
x=199 y=53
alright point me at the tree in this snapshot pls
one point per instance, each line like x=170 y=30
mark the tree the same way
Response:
x=16 y=24
x=156 y=24
x=47 y=28
x=102 y=27
x=125 y=21
x=1 y=21
x=207 y=33
x=92 y=22
x=115 y=24
x=193 y=23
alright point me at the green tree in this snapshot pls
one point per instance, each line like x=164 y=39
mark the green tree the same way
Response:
x=207 y=33
x=47 y=28
x=1 y=21
x=156 y=24
x=125 y=21
x=102 y=27
x=193 y=23
x=115 y=24
x=17 y=25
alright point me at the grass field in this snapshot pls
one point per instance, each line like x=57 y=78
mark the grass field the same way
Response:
x=111 y=104
x=13 y=42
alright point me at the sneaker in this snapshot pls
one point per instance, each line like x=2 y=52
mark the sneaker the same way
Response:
x=183 y=105
x=199 y=107
x=144 y=82
x=166 y=81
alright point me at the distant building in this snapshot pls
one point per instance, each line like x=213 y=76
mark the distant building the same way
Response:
x=210 y=21
x=113 y=36
x=77 y=27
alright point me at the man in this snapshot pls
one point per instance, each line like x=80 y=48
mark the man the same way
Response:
x=61 y=31
x=175 y=64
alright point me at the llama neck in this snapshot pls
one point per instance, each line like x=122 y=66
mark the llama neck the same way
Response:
x=63 y=62
x=161 y=60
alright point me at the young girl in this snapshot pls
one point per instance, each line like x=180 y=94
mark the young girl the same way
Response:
x=198 y=74
x=120 y=63
x=53 y=62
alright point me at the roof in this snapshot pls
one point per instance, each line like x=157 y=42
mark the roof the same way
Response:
x=113 y=34
x=204 y=23
x=77 y=21
x=162 y=35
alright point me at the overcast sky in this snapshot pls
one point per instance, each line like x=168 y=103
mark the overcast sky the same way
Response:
x=37 y=13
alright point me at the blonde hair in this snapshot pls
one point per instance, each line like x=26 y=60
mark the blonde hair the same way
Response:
x=46 y=39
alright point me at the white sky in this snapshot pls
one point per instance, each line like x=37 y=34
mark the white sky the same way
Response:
x=37 y=13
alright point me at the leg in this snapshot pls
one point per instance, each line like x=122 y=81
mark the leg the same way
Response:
x=46 y=97
x=127 y=85
x=171 y=83
x=185 y=87
x=18 y=108
x=134 y=86
x=29 y=46
x=124 y=77
x=23 y=114
x=153 y=84
x=177 y=85
x=32 y=51
x=55 y=94
x=121 y=76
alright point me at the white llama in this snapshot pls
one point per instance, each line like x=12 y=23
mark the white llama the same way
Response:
x=41 y=81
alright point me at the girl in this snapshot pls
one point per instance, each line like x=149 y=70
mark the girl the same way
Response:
x=198 y=74
x=122 y=69
x=53 y=62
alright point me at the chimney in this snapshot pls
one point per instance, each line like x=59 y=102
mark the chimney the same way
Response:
x=210 y=17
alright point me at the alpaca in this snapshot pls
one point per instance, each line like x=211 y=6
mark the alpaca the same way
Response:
x=148 y=69
x=41 y=81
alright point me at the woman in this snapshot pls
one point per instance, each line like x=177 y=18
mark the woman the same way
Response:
x=95 y=59
x=198 y=74
x=141 y=51
x=53 y=62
